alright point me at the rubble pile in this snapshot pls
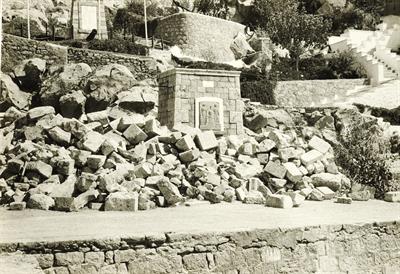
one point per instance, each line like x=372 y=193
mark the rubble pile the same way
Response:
x=132 y=163
x=112 y=154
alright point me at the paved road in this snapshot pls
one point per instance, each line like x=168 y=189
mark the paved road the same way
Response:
x=386 y=96
x=34 y=225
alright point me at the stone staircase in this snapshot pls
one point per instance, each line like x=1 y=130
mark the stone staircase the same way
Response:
x=373 y=50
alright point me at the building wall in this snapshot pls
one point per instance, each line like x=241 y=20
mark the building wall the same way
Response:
x=199 y=35
x=306 y=93
x=179 y=88
x=365 y=248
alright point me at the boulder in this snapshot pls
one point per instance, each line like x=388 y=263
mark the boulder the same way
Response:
x=11 y=94
x=29 y=73
x=333 y=181
x=72 y=105
x=138 y=99
x=392 y=196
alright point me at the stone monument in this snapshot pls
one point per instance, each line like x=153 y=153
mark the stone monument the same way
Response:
x=205 y=99
x=86 y=16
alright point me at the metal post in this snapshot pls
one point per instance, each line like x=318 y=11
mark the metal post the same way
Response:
x=99 y=31
x=29 y=18
x=145 y=22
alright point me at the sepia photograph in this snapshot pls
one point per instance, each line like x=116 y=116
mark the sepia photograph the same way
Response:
x=200 y=137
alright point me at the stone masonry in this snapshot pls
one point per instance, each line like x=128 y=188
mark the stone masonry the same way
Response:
x=340 y=249
x=205 y=99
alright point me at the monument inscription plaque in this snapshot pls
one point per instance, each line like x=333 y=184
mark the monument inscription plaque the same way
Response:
x=209 y=113
x=88 y=16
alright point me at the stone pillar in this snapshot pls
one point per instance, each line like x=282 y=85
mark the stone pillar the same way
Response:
x=205 y=99
x=86 y=16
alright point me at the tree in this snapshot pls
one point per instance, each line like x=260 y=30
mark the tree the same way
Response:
x=216 y=8
x=290 y=26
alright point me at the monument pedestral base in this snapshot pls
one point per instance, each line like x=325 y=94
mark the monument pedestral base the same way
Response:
x=204 y=99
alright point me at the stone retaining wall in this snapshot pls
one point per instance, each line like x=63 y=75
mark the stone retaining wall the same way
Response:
x=313 y=92
x=307 y=93
x=16 y=49
x=367 y=248
x=142 y=67
x=199 y=35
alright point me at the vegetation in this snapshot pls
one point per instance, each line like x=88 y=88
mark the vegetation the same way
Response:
x=363 y=154
x=19 y=27
x=118 y=45
x=291 y=27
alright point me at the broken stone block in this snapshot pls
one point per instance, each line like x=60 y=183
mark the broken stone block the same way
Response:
x=333 y=181
x=144 y=170
x=206 y=140
x=34 y=133
x=96 y=206
x=306 y=191
x=109 y=146
x=190 y=155
x=80 y=156
x=77 y=128
x=254 y=183
x=66 y=189
x=122 y=201
x=96 y=161
x=247 y=149
x=311 y=157
x=17 y=206
x=327 y=193
x=213 y=197
x=296 y=197
x=152 y=128
x=344 y=200
x=98 y=116
x=254 y=197
x=316 y=195
x=84 y=198
x=93 y=141
x=275 y=169
x=38 y=112
x=319 y=167
x=40 y=201
x=279 y=201
x=319 y=144
x=264 y=190
x=211 y=178
x=64 y=166
x=287 y=153
x=86 y=181
x=64 y=204
x=134 y=118
x=263 y=158
x=40 y=167
x=392 y=196
x=362 y=195
x=169 y=191
x=265 y=146
x=134 y=134
x=293 y=173
x=281 y=140
x=240 y=193
x=185 y=143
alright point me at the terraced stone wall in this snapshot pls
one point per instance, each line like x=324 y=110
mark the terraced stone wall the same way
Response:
x=367 y=248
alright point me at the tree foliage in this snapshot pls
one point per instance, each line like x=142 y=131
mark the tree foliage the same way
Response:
x=216 y=8
x=290 y=26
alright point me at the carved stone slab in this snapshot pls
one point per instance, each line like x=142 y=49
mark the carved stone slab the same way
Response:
x=209 y=113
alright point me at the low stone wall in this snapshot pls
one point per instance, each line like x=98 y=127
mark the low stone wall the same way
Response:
x=313 y=92
x=16 y=49
x=142 y=67
x=367 y=248
x=307 y=93
x=199 y=35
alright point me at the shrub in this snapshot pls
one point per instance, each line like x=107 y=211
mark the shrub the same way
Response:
x=344 y=66
x=363 y=154
x=259 y=90
x=118 y=45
